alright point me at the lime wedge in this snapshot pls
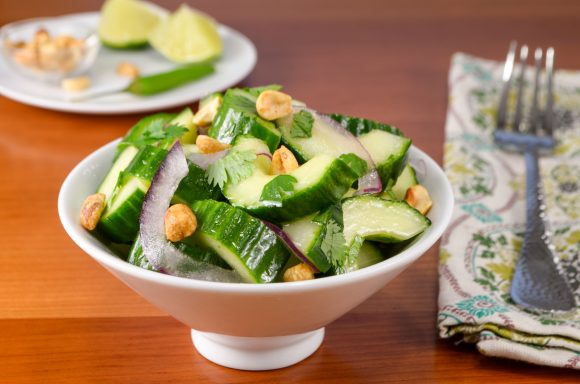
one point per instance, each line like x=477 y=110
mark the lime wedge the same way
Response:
x=187 y=36
x=126 y=24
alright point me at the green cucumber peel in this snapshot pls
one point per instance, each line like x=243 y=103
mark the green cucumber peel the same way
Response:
x=137 y=131
x=145 y=163
x=237 y=116
x=255 y=91
x=358 y=126
x=195 y=186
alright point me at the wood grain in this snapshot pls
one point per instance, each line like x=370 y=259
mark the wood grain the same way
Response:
x=65 y=319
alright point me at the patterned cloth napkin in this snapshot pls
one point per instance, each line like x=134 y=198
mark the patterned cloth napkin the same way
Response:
x=480 y=247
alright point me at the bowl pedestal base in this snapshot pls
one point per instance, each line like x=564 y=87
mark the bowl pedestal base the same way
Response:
x=256 y=353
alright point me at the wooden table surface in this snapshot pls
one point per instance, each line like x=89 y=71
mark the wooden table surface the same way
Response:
x=65 y=319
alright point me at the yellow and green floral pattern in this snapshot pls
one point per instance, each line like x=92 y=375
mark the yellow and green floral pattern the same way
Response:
x=481 y=246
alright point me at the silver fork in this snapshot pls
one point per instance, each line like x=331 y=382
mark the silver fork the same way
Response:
x=537 y=282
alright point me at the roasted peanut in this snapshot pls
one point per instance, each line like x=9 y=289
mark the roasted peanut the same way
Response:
x=207 y=113
x=76 y=84
x=128 y=70
x=25 y=56
x=208 y=144
x=272 y=105
x=91 y=210
x=418 y=197
x=180 y=222
x=298 y=273
x=41 y=36
x=44 y=52
x=283 y=161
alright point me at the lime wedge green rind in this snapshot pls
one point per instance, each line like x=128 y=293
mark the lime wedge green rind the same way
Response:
x=127 y=24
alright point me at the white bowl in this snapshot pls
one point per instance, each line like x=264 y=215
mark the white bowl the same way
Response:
x=252 y=326
x=25 y=30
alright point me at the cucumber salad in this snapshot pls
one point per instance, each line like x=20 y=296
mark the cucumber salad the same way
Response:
x=256 y=187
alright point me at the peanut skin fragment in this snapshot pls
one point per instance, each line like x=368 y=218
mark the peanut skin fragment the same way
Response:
x=91 y=210
x=283 y=161
x=418 y=197
x=180 y=222
x=272 y=105
x=208 y=144
x=298 y=273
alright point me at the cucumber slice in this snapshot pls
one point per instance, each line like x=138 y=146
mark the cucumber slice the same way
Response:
x=120 y=220
x=195 y=186
x=137 y=133
x=244 y=242
x=153 y=131
x=121 y=163
x=137 y=258
x=373 y=218
x=255 y=91
x=307 y=235
x=315 y=185
x=185 y=120
x=368 y=255
x=389 y=153
x=321 y=239
x=145 y=163
x=359 y=126
x=323 y=138
x=187 y=246
x=407 y=179
x=237 y=116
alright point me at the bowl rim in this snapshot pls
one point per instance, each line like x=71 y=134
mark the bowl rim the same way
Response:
x=81 y=237
x=90 y=31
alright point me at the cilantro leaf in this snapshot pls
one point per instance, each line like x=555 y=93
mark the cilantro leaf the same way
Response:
x=158 y=132
x=233 y=167
x=333 y=245
x=332 y=242
x=302 y=123
x=278 y=188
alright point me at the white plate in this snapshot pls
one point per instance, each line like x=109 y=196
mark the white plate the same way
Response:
x=238 y=60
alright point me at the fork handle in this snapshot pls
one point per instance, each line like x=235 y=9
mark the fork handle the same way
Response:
x=535 y=225
x=537 y=282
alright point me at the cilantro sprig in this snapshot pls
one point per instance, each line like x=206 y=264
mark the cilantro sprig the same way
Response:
x=160 y=133
x=302 y=123
x=233 y=167
x=333 y=245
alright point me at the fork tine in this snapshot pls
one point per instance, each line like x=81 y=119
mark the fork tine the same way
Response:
x=506 y=79
x=549 y=122
x=534 y=114
x=518 y=124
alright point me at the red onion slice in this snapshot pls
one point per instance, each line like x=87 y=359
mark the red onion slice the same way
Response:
x=160 y=252
x=370 y=182
x=265 y=154
x=204 y=160
x=290 y=244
